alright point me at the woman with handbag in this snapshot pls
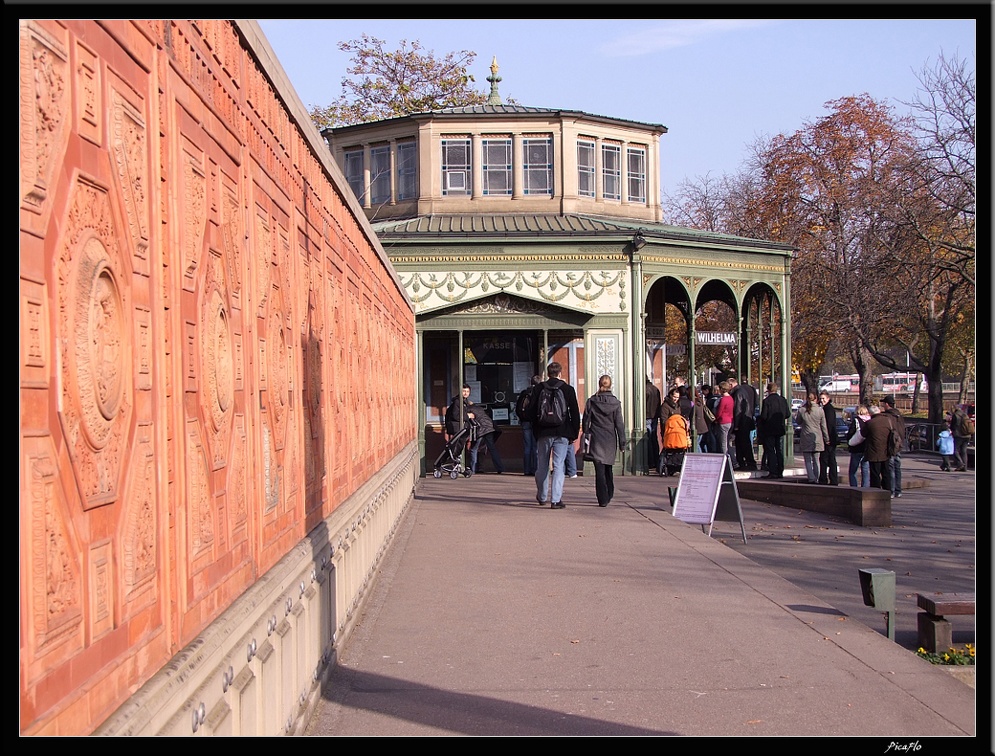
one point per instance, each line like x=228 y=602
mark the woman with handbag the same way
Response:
x=604 y=432
x=857 y=443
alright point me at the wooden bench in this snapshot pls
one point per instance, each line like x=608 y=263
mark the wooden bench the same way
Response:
x=934 y=631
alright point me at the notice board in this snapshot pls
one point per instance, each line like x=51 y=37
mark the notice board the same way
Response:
x=707 y=492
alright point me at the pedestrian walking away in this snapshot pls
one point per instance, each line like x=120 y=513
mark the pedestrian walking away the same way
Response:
x=555 y=419
x=604 y=433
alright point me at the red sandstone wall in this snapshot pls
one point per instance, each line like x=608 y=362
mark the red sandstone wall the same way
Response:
x=212 y=353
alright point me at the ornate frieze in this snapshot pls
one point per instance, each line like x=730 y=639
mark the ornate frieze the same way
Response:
x=591 y=291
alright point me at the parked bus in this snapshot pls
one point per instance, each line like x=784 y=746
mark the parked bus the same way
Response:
x=897 y=383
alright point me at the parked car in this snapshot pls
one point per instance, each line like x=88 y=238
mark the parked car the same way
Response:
x=796 y=403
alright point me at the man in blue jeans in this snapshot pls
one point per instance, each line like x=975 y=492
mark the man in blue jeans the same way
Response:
x=555 y=419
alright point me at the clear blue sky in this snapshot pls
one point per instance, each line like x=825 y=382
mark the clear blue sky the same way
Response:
x=715 y=84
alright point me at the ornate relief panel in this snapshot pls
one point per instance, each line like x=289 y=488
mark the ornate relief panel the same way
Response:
x=54 y=577
x=44 y=109
x=94 y=320
x=589 y=291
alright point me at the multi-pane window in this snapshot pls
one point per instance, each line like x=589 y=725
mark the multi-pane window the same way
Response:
x=611 y=170
x=407 y=170
x=637 y=174
x=354 y=172
x=380 y=174
x=496 y=166
x=456 y=175
x=537 y=166
x=585 y=168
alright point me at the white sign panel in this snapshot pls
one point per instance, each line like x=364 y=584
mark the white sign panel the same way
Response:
x=698 y=488
x=714 y=338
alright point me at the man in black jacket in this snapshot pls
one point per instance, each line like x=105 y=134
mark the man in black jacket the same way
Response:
x=829 y=471
x=554 y=440
x=744 y=402
x=774 y=413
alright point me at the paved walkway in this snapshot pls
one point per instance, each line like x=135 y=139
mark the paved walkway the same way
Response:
x=493 y=616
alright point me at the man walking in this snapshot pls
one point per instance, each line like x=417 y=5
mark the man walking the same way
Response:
x=555 y=419
x=774 y=413
x=828 y=469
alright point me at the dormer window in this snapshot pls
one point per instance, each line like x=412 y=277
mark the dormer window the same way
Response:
x=456 y=167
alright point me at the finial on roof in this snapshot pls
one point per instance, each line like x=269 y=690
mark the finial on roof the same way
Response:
x=495 y=97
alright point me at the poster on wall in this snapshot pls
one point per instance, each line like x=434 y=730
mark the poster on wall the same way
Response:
x=523 y=375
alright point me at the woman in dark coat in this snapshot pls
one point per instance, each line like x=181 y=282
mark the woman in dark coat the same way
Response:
x=604 y=427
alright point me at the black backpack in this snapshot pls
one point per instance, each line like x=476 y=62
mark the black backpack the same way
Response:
x=552 y=409
x=523 y=404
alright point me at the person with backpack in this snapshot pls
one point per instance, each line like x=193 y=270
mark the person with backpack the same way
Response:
x=896 y=441
x=962 y=429
x=528 y=439
x=555 y=419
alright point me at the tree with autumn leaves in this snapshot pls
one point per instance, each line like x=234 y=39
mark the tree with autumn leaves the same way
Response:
x=384 y=83
x=881 y=210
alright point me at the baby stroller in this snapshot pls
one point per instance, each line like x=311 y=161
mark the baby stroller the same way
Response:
x=676 y=442
x=449 y=461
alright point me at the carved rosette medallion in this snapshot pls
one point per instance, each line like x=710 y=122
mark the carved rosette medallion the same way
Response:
x=217 y=357
x=96 y=377
x=278 y=352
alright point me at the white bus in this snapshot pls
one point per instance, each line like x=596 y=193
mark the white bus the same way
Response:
x=898 y=383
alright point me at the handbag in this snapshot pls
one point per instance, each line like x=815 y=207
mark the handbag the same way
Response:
x=588 y=457
x=857 y=438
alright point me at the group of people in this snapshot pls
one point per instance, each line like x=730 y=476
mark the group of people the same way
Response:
x=721 y=418
x=952 y=441
x=550 y=418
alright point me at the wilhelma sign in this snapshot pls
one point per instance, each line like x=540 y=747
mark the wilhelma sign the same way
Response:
x=714 y=338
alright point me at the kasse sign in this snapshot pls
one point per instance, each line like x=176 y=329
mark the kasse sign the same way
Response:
x=713 y=338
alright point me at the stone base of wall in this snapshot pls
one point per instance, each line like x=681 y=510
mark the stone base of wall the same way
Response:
x=868 y=507
x=258 y=669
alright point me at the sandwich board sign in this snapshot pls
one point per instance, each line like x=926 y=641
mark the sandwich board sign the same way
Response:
x=707 y=492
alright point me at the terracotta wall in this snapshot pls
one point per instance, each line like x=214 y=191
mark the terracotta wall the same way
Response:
x=214 y=352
